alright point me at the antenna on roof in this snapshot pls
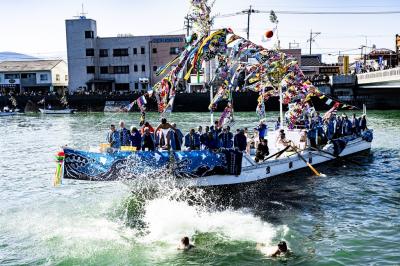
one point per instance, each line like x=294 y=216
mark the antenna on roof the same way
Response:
x=81 y=15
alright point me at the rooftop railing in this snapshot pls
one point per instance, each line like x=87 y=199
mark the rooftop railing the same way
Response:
x=379 y=76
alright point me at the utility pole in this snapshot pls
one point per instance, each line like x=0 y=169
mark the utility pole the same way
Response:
x=248 y=12
x=294 y=45
x=313 y=35
x=188 y=24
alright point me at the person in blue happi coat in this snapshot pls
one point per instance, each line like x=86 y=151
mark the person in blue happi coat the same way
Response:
x=136 y=138
x=113 y=138
x=192 y=140
x=226 y=138
x=124 y=135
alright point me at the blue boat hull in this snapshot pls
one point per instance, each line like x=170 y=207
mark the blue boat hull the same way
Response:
x=95 y=166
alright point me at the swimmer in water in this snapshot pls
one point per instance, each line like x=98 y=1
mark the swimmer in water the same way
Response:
x=282 y=249
x=185 y=244
x=272 y=252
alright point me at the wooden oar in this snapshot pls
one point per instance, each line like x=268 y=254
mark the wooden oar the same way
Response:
x=277 y=154
x=337 y=157
x=304 y=160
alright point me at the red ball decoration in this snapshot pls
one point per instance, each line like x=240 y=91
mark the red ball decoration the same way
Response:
x=269 y=34
x=60 y=153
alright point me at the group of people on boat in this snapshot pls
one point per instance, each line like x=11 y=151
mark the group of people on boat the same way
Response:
x=167 y=136
x=320 y=130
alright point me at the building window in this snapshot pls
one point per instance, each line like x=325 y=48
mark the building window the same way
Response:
x=104 y=70
x=142 y=50
x=43 y=77
x=28 y=76
x=144 y=86
x=121 y=52
x=57 y=77
x=121 y=69
x=103 y=53
x=154 y=50
x=135 y=69
x=136 y=86
x=89 y=34
x=122 y=86
x=134 y=50
x=90 y=69
x=66 y=77
x=154 y=68
x=174 y=50
x=11 y=76
x=90 y=52
x=143 y=68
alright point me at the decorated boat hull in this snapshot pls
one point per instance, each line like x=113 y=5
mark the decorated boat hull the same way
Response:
x=200 y=168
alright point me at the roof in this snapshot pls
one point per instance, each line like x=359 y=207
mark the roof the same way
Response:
x=311 y=60
x=382 y=51
x=28 y=65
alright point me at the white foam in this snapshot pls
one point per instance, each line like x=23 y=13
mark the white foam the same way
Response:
x=169 y=220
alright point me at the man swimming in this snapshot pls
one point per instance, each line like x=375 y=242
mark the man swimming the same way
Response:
x=185 y=244
x=270 y=251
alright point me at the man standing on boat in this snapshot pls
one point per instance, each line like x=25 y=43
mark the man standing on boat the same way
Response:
x=225 y=138
x=204 y=138
x=192 y=140
x=147 y=140
x=124 y=134
x=113 y=138
x=176 y=138
x=262 y=129
x=240 y=141
x=136 y=138
x=162 y=131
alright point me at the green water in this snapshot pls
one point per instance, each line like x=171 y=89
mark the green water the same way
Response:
x=348 y=217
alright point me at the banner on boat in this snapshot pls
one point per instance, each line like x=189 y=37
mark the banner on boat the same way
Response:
x=94 y=166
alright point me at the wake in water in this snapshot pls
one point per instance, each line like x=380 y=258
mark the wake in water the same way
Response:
x=159 y=212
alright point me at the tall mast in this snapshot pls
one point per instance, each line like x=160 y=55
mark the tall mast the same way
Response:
x=280 y=107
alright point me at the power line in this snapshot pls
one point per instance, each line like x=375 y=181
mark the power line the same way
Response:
x=335 y=12
x=291 y=12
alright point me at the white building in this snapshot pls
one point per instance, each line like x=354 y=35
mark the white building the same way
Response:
x=115 y=63
x=33 y=75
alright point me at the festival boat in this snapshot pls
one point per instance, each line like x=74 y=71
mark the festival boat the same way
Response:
x=57 y=112
x=244 y=66
x=203 y=168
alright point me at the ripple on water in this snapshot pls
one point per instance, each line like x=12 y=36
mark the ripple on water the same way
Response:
x=350 y=216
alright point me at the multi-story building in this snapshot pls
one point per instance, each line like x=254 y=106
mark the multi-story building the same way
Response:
x=33 y=76
x=123 y=63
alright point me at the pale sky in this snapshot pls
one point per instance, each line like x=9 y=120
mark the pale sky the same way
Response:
x=37 y=27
